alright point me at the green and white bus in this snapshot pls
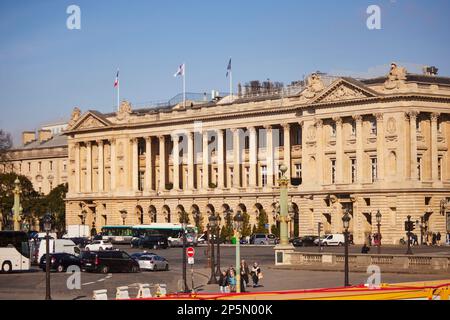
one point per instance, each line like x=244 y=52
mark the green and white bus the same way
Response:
x=14 y=251
x=117 y=234
x=173 y=232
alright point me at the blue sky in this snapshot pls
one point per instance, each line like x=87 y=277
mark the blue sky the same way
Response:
x=47 y=69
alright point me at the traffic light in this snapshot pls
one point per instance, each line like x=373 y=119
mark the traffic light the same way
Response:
x=406 y=226
x=413 y=225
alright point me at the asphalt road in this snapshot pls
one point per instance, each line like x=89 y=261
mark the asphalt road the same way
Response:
x=31 y=285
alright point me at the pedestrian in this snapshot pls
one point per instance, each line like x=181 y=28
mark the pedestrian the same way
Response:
x=256 y=274
x=438 y=239
x=369 y=238
x=245 y=271
x=223 y=282
x=434 y=239
x=415 y=239
x=365 y=249
x=232 y=281
x=350 y=238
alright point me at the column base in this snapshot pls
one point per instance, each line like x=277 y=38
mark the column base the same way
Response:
x=283 y=254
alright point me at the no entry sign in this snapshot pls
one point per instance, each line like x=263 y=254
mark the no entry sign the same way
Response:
x=190 y=252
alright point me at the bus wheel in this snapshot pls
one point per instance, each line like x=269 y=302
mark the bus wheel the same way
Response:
x=6 y=267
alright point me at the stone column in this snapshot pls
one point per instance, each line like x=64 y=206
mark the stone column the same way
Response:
x=162 y=163
x=77 y=167
x=176 y=161
x=113 y=164
x=148 y=164
x=220 y=159
x=253 y=156
x=101 y=166
x=287 y=150
x=434 y=144
x=359 y=149
x=380 y=146
x=88 y=167
x=190 y=160
x=319 y=151
x=413 y=143
x=205 y=160
x=339 y=151
x=134 y=165
x=237 y=158
x=269 y=155
x=305 y=161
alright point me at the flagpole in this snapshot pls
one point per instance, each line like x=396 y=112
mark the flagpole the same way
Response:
x=118 y=95
x=184 y=85
x=231 y=84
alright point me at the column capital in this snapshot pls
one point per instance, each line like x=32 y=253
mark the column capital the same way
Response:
x=378 y=116
x=338 y=120
x=220 y=131
x=251 y=129
x=175 y=135
x=318 y=123
x=412 y=114
x=268 y=128
x=286 y=126
x=88 y=144
x=148 y=138
x=435 y=116
x=357 y=117
x=112 y=140
x=100 y=142
x=134 y=139
x=161 y=137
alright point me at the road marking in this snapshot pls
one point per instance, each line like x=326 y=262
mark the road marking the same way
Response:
x=88 y=283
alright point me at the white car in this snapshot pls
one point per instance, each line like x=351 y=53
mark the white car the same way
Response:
x=99 y=245
x=336 y=239
x=153 y=263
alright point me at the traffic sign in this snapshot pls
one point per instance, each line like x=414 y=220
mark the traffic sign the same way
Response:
x=191 y=260
x=190 y=252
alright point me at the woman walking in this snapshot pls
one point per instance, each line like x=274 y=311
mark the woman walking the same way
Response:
x=256 y=274
x=223 y=282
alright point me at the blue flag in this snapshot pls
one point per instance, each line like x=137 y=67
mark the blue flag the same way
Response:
x=228 y=68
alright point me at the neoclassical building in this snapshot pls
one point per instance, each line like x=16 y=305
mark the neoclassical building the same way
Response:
x=358 y=145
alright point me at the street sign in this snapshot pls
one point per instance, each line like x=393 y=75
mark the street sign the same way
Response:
x=190 y=260
x=190 y=252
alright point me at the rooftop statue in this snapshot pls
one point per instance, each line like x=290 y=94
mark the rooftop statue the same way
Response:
x=396 y=77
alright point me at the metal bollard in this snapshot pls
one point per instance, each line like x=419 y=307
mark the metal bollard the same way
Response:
x=144 y=291
x=122 y=293
x=100 y=295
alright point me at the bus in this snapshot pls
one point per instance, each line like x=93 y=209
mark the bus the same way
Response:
x=14 y=251
x=173 y=232
x=117 y=234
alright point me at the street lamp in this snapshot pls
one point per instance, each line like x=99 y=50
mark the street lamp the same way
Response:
x=184 y=227
x=218 y=272
x=123 y=214
x=212 y=225
x=378 y=217
x=238 y=222
x=346 y=224
x=409 y=229
x=47 y=228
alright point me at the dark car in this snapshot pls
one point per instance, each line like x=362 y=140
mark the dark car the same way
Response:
x=108 y=261
x=150 y=241
x=305 y=241
x=60 y=261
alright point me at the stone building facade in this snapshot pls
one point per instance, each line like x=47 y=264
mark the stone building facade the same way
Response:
x=363 y=146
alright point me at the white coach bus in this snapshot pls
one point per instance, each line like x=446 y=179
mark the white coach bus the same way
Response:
x=14 y=251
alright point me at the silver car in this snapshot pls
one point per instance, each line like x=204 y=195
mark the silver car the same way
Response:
x=153 y=263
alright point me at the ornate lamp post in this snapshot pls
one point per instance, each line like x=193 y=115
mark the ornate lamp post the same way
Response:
x=123 y=215
x=47 y=228
x=218 y=272
x=17 y=209
x=184 y=227
x=346 y=224
x=378 y=217
x=409 y=230
x=238 y=221
x=212 y=225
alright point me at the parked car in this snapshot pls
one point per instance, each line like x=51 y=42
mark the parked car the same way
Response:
x=137 y=255
x=60 y=261
x=99 y=245
x=336 y=239
x=261 y=238
x=153 y=262
x=305 y=241
x=108 y=261
x=150 y=241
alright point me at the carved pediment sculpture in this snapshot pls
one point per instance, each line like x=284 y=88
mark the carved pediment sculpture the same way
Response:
x=343 y=92
x=76 y=114
x=314 y=85
x=90 y=122
x=124 y=111
x=396 y=77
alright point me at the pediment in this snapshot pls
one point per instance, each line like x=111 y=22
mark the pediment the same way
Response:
x=90 y=120
x=345 y=89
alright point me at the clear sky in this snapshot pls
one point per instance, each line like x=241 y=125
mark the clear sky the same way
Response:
x=47 y=69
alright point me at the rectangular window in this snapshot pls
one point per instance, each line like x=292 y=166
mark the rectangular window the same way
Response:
x=333 y=171
x=353 y=170
x=216 y=175
x=439 y=168
x=333 y=130
x=264 y=175
x=247 y=175
x=141 y=181
x=201 y=179
x=354 y=128
x=419 y=168
x=231 y=177
x=298 y=170
x=418 y=125
x=298 y=136
x=374 y=169
x=439 y=126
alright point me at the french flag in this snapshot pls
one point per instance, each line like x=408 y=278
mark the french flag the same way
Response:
x=116 y=82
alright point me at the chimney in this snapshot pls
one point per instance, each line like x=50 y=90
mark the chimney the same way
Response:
x=28 y=136
x=44 y=135
x=430 y=71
